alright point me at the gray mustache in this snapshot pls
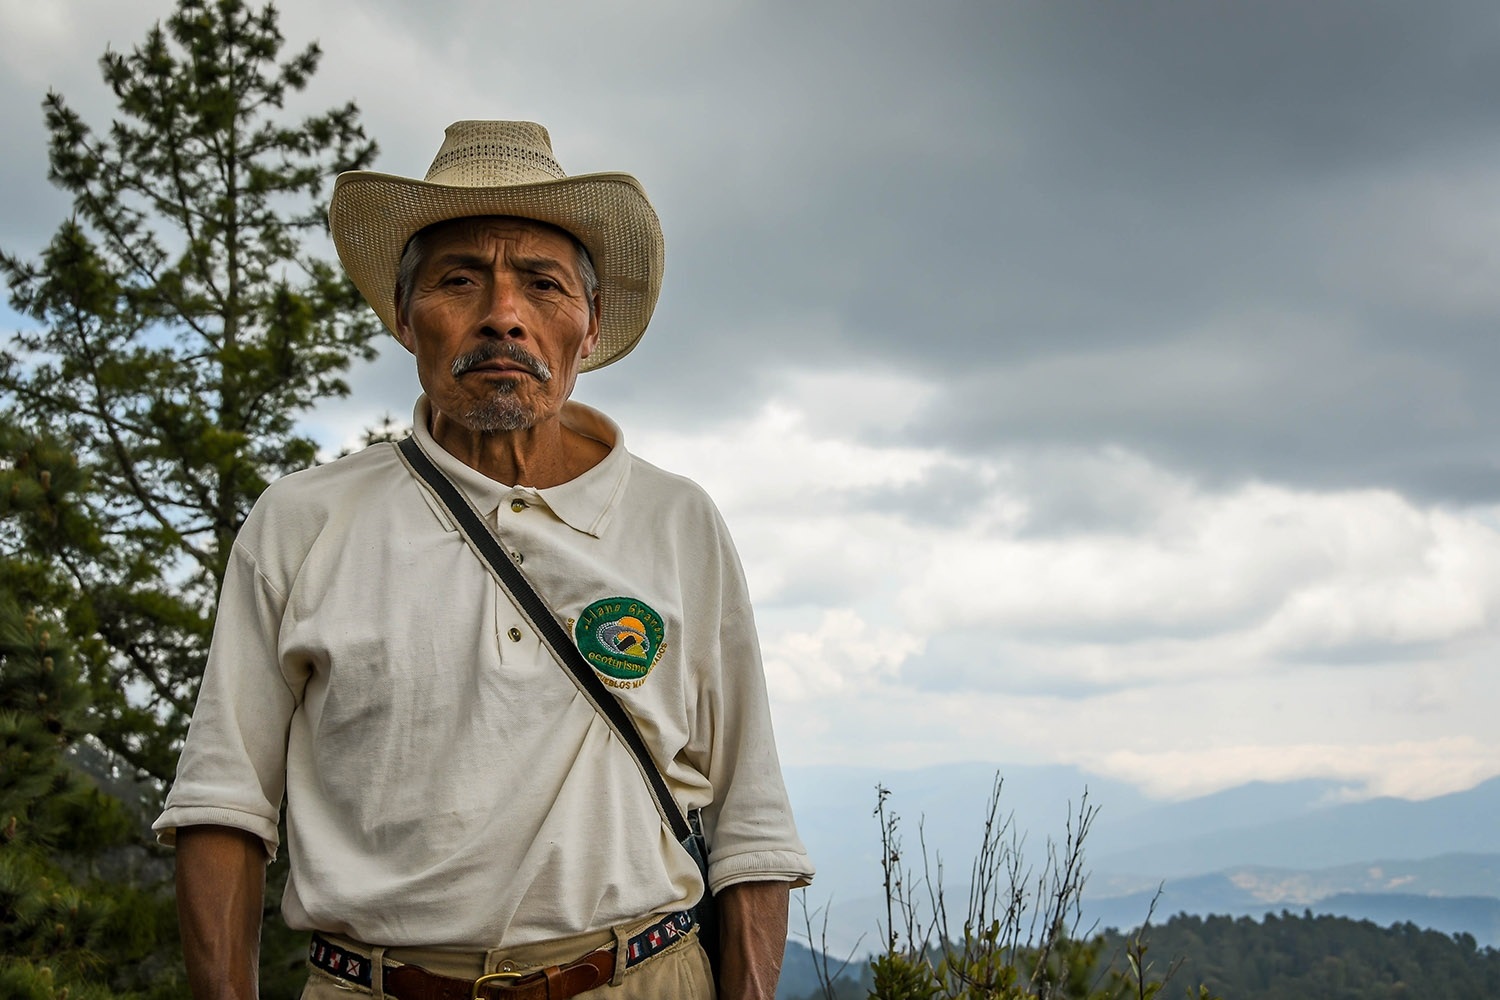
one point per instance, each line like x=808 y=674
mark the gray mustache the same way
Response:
x=488 y=352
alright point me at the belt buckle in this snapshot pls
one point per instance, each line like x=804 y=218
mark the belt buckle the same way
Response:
x=479 y=983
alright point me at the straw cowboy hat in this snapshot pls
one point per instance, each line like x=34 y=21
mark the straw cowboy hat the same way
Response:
x=506 y=168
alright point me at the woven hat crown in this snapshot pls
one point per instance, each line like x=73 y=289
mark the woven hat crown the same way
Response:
x=486 y=168
x=494 y=154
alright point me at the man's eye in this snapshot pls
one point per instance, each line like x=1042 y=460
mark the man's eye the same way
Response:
x=458 y=279
x=545 y=285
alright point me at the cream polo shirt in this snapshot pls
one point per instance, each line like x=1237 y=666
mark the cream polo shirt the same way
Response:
x=446 y=783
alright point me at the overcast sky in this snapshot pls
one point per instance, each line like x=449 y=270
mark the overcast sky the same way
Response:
x=1109 y=383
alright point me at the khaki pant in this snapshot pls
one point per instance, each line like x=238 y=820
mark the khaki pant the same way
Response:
x=680 y=972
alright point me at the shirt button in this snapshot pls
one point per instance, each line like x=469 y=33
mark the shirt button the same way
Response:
x=519 y=505
x=518 y=558
x=515 y=634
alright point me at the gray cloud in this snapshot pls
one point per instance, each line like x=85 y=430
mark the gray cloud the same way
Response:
x=1233 y=201
x=1240 y=239
x=975 y=661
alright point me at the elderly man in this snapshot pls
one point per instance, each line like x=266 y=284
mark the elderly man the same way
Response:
x=461 y=819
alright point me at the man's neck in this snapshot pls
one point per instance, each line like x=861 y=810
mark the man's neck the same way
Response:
x=547 y=454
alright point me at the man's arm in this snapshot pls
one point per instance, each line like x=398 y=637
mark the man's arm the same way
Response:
x=752 y=938
x=221 y=882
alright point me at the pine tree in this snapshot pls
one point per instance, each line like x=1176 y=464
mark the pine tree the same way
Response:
x=184 y=319
x=183 y=327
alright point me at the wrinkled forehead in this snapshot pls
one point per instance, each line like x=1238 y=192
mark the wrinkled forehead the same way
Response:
x=494 y=231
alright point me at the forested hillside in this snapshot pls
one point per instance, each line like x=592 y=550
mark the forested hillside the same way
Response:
x=1311 y=957
x=1286 y=957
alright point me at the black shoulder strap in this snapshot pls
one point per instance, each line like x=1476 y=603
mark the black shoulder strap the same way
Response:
x=492 y=554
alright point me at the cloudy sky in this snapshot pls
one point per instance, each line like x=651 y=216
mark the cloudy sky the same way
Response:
x=1109 y=383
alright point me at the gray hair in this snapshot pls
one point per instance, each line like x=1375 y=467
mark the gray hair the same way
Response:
x=416 y=252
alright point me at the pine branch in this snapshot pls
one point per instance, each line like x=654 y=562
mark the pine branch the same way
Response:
x=124 y=460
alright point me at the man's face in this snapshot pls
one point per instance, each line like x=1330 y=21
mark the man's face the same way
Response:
x=498 y=318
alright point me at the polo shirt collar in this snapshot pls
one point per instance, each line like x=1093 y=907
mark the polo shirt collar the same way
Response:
x=585 y=503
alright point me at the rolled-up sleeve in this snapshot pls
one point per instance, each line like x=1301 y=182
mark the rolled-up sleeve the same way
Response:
x=752 y=835
x=232 y=771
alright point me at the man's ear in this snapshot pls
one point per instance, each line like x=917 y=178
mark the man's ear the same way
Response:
x=403 y=329
x=591 y=339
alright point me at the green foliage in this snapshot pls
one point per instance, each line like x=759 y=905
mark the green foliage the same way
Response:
x=66 y=928
x=897 y=976
x=1019 y=937
x=1015 y=939
x=181 y=325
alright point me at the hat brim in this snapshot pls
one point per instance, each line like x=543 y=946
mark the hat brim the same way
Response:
x=372 y=216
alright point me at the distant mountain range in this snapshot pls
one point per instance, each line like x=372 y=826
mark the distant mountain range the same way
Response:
x=1258 y=848
x=1253 y=892
x=1321 y=834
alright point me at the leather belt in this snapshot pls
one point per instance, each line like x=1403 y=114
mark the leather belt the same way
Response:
x=556 y=982
x=412 y=982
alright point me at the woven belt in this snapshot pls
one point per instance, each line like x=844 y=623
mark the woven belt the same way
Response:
x=556 y=982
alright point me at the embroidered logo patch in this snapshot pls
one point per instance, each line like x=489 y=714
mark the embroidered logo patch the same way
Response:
x=622 y=638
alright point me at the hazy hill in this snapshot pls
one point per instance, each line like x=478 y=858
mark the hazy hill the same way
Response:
x=1478 y=916
x=1254 y=892
x=1293 y=825
x=1445 y=875
x=1250 y=805
x=1322 y=836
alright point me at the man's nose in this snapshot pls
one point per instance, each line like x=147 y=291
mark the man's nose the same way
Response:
x=502 y=311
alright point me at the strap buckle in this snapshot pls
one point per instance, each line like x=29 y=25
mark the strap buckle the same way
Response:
x=497 y=976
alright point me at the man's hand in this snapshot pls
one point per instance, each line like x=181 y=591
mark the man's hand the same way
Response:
x=221 y=882
x=752 y=939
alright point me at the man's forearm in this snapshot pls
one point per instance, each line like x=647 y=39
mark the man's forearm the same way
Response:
x=752 y=939
x=221 y=882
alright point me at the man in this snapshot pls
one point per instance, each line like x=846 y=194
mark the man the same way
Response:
x=456 y=809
